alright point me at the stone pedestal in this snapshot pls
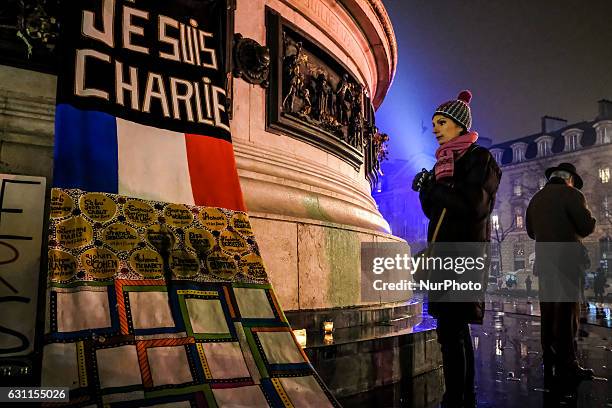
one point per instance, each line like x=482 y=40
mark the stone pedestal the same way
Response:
x=310 y=209
x=374 y=350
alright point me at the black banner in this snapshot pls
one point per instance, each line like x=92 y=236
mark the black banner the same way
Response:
x=159 y=63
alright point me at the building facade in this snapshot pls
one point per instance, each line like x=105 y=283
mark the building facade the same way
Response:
x=588 y=146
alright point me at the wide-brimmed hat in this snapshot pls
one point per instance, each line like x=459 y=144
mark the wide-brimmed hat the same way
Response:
x=569 y=167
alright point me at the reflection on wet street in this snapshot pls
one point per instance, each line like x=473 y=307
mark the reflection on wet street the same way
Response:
x=509 y=372
x=509 y=363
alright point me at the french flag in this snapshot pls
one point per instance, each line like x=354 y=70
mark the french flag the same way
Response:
x=96 y=151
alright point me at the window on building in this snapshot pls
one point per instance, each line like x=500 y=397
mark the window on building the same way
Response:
x=517 y=154
x=498 y=156
x=606 y=135
x=543 y=148
x=572 y=142
x=604 y=175
x=518 y=217
x=605 y=246
x=495 y=221
x=606 y=211
x=517 y=189
x=519 y=255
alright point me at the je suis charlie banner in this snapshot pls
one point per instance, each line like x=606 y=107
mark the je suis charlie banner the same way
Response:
x=141 y=102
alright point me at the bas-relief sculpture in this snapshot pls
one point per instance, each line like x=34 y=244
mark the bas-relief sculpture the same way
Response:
x=315 y=93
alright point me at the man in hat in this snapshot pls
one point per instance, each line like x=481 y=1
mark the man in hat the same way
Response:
x=558 y=219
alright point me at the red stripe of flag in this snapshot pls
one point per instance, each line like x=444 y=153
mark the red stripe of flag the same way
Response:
x=212 y=168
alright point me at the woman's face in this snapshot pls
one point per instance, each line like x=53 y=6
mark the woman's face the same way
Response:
x=445 y=129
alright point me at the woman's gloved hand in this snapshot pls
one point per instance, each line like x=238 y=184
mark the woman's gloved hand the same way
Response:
x=422 y=180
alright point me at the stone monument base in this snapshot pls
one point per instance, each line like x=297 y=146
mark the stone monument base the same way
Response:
x=390 y=346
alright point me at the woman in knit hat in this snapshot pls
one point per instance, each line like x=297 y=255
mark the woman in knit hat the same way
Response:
x=457 y=196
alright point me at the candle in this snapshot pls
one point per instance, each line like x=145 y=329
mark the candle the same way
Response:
x=328 y=326
x=300 y=335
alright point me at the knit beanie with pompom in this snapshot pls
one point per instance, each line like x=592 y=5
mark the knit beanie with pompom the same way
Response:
x=458 y=110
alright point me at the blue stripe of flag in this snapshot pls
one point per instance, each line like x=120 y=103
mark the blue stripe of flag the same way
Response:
x=85 y=150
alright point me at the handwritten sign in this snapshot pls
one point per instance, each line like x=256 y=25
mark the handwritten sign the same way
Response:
x=22 y=203
x=178 y=215
x=232 y=242
x=100 y=263
x=97 y=206
x=221 y=265
x=148 y=263
x=252 y=265
x=199 y=240
x=240 y=222
x=139 y=213
x=61 y=204
x=213 y=219
x=74 y=232
x=62 y=265
x=120 y=237
x=145 y=239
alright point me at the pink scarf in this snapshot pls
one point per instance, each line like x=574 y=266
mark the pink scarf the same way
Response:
x=451 y=151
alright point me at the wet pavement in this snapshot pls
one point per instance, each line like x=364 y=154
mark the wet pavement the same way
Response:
x=509 y=363
x=593 y=312
x=509 y=372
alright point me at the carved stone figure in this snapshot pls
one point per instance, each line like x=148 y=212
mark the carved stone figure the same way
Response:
x=294 y=79
x=32 y=22
x=356 y=126
x=323 y=93
x=291 y=62
x=307 y=106
x=295 y=88
x=343 y=95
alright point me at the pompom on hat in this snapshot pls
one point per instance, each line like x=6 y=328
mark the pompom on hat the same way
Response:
x=458 y=109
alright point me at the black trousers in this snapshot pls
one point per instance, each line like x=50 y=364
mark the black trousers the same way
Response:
x=458 y=359
x=559 y=323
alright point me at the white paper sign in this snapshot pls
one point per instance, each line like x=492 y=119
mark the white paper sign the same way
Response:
x=22 y=206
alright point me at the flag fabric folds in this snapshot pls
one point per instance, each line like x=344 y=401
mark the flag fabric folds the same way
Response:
x=95 y=151
x=153 y=303
x=157 y=294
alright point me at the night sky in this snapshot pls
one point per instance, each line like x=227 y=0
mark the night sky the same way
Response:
x=521 y=60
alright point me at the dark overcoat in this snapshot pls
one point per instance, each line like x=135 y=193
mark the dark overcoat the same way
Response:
x=558 y=213
x=469 y=198
x=558 y=218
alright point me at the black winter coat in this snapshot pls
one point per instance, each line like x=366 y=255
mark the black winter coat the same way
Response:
x=558 y=218
x=469 y=198
x=558 y=213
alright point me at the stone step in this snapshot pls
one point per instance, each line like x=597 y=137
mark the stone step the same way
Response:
x=312 y=320
x=359 y=359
